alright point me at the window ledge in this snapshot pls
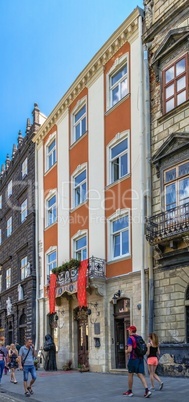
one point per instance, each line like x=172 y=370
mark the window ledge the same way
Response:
x=78 y=206
x=47 y=171
x=111 y=108
x=118 y=181
x=173 y=112
x=50 y=226
x=118 y=259
x=79 y=139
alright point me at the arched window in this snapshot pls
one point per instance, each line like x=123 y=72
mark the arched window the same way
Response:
x=22 y=328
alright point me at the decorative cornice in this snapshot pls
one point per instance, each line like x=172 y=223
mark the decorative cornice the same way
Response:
x=122 y=35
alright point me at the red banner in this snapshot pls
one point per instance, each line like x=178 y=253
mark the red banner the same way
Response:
x=52 y=287
x=82 y=284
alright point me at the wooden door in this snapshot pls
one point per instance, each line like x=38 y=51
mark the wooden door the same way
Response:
x=83 y=342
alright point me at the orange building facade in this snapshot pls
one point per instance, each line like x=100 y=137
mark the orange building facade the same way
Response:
x=90 y=156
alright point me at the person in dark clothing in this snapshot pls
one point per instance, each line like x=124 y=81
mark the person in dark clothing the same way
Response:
x=153 y=352
x=50 y=358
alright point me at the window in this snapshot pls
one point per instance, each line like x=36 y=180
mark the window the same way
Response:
x=0 y=238
x=0 y=283
x=81 y=248
x=176 y=182
x=9 y=226
x=51 y=154
x=0 y=201
x=175 y=85
x=9 y=189
x=24 y=268
x=51 y=210
x=8 y=278
x=80 y=188
x=120 y=237
x=51 y=262
x=118 y=85
x=79 y=122
x=24 y=211
x=25 y=168
x=119 y=160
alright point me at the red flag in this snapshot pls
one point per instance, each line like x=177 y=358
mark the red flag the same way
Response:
x=82 y=284
x=52 y=287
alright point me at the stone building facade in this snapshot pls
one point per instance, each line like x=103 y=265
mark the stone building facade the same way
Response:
x=17 y=246
x=166 y=35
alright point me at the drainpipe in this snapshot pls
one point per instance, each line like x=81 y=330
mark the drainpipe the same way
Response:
x=142 y=171
x=36 y=248
x=148 y=185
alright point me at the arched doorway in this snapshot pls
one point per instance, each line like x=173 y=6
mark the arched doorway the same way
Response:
x=10 y=333
x=187 y=314
x=122 y=321
x=22 y=329
x=82 y=330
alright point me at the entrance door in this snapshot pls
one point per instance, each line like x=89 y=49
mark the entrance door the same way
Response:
x=83 y=342
x=120 y=343
x=122 y=321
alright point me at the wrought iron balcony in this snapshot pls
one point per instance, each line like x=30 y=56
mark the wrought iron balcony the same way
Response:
x=168 y=225
x=96 y=269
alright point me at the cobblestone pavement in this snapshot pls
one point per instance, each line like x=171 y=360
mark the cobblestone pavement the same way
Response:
x=71 y=386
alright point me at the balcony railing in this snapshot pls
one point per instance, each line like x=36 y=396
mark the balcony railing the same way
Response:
x=168 y=224
x=96 y=269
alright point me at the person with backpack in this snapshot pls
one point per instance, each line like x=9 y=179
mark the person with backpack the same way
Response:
x=136 y=349
x=153 y=352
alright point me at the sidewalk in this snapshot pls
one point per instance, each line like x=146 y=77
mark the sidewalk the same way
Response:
x=71 y=386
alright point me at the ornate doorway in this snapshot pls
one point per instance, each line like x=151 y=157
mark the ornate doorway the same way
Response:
x=82 y=327
x=122 y=321
x=22 y=329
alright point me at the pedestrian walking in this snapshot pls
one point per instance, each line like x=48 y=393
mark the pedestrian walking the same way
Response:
x=26 y=363
x=5 y=351
x=153 y=353
x=13 y=362
x=2 y=362
x=136 y=349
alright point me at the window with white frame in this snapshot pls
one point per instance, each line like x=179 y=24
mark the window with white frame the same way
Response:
x=120 y=237
x=24 y=210
x=0 y=236
x=8 y=278
x=51 y=261
x=80 y=188
x=0 y=201
x=175 y=87
x=51 y=210
x=51 y=154
x=176 y=184
x=24 y=268
x=9 y=189
x=25 y=168
x=118 y=84
x=119 y=166
x=9 y=226
x=80 y=248
x=80 y=122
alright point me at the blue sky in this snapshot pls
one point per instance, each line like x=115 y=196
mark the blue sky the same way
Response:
x=44 y=45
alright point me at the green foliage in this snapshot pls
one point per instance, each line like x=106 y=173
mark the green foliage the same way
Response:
x=66 y=266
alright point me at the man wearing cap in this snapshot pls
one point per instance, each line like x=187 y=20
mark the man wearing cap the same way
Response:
x=135 y=364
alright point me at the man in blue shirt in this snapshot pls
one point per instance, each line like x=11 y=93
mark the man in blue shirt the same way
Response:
x=135 y=364
x=26 y=363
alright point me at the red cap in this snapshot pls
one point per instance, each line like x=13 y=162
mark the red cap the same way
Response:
x=132 y=328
